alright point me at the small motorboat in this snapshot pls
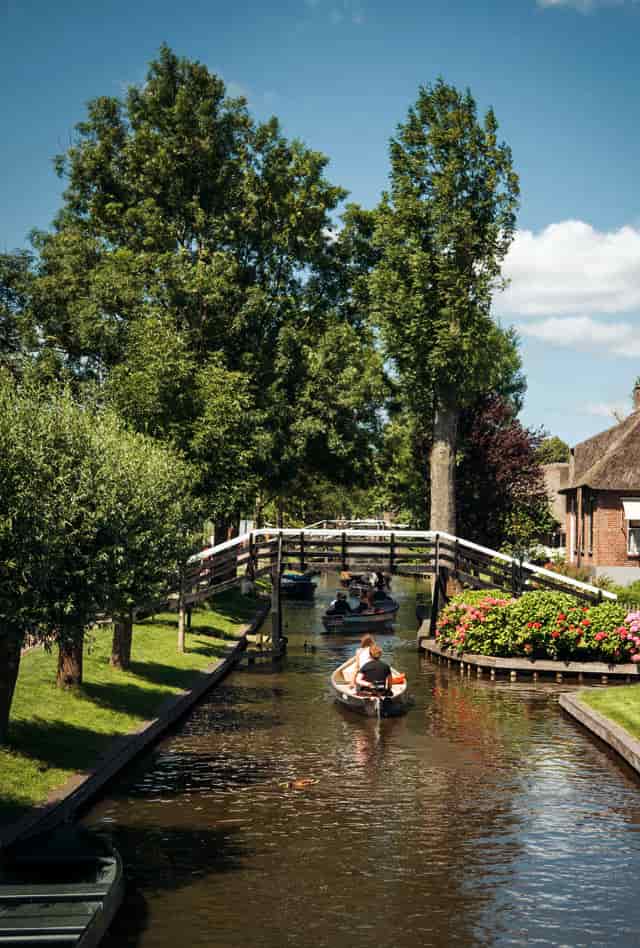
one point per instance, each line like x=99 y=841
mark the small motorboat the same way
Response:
x=297 y=585
x=63 y=887
x=372 y=705
x=382 y=614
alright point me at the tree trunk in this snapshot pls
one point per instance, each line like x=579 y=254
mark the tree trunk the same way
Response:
x=10 y=647
x=181 y=624
x=442 y=462
x=70 y=661
x=122 y=638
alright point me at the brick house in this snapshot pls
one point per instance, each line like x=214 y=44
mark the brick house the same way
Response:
x=603 y=501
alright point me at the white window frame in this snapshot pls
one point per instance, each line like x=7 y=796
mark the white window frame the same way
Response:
x=633 y=530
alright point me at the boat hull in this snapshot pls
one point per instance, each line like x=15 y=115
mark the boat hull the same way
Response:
x=359 y=620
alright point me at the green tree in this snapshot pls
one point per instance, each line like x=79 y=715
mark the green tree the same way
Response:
x=552 y=449
x=148 y=518
x=15 y=283
x=92 y=520
x=193 y=252
x=441 y=233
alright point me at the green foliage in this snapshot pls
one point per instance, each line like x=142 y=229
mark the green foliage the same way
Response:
x=441 y=234
x=92 y=517
x=552 y=450
x=190 y=275
x=540 y=624
x=15 y=284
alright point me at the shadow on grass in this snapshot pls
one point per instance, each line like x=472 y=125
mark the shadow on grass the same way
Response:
x=168 y=675
x=165 y=859
x=130 y=698
x=58 y=744
x=211 y=651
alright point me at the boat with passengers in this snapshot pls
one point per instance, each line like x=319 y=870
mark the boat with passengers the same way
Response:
x=371 y=705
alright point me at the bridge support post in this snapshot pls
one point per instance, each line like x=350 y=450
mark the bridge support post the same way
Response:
x=278 y=643
x=303 y=565
x=439 y=596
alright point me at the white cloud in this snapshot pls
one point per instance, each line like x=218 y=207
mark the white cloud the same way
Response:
x=583 y=332
x=342 y=11
x=584 y=6
x=572 y=268
x=613 y=410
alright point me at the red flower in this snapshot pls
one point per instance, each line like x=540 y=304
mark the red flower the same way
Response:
x=561 y=616
x=555 y=634
x=585 y=622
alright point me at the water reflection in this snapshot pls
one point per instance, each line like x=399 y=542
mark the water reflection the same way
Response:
x=482 y=817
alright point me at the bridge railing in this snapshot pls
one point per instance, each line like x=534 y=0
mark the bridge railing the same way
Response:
x=407 y=552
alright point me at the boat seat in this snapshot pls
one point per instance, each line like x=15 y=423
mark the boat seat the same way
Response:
x=43 y=893
x=36 y=910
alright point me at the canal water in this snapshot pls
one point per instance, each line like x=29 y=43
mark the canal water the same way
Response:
x=484 y=816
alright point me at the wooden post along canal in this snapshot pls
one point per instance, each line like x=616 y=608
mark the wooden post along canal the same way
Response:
x=278 y=642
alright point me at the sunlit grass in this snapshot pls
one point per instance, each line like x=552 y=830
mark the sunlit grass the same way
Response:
x=56 y=733
x=621 y=704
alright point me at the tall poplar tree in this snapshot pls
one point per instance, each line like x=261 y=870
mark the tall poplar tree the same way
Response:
x=441 y=234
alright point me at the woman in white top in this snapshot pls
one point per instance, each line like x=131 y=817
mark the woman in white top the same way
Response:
x=362 y=654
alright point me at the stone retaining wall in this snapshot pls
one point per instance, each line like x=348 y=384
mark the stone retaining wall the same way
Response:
x=559 y=669
x=607 y=730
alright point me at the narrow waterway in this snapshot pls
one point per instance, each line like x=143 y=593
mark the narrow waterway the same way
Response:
x=484 y=816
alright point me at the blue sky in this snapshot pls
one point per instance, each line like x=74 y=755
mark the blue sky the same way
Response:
x=561 y=75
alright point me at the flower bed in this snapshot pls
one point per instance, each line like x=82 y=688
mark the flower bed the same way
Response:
x=539 y=624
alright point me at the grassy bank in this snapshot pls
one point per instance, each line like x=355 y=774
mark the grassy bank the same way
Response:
x=56 y=733
x=621 y=704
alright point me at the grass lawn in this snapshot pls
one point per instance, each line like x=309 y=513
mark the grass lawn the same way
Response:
x=621 y=704
x=56 y=733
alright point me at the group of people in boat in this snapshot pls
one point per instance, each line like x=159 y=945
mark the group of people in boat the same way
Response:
x=371 y=674
x=369 y=600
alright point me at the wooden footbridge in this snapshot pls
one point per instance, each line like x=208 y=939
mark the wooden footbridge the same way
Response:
x=325 y=547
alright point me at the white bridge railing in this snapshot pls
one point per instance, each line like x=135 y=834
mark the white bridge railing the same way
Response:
x=395 y=549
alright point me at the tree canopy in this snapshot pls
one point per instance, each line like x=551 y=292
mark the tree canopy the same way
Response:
x=191 y=271
x=441 y=233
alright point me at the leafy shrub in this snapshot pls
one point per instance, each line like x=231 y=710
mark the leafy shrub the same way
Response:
x=540 y=624
x=474 y=621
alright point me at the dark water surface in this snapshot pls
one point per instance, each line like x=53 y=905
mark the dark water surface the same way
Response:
x=482 y=817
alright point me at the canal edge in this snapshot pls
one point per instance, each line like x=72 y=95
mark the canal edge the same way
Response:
x=62 y=803
x=607 y=730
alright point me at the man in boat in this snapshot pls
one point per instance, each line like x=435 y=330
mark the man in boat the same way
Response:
x=339 y=606
x=366 y=602
x=375 y=676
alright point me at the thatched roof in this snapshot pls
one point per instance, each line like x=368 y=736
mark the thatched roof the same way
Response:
x=610 y=460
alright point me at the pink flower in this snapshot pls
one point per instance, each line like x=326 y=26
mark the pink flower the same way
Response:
x=636 y=657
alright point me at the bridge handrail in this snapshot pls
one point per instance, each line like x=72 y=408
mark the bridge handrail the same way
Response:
x=398 y=536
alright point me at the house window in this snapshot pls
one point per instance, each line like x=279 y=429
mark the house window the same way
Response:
x=631 y=506
x=633 y=547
